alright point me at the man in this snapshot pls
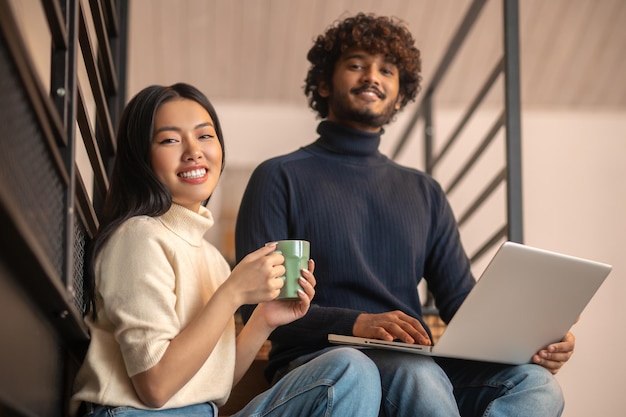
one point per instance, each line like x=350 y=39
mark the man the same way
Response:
x=376 y=228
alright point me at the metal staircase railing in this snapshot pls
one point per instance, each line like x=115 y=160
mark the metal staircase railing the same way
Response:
x=508 y=119
x=48 y=199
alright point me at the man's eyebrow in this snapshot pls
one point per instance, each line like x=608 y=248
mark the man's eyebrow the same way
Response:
x=361 y=55
x=354 y=55
x=177 y=129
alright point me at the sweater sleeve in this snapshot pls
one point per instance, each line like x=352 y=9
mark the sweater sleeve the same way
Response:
x=447 y=269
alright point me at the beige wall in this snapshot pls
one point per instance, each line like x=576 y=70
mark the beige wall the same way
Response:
x=575 y=202
x=574 y=169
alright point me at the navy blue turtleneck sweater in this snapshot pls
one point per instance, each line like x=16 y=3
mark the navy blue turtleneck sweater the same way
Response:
x=376 y=228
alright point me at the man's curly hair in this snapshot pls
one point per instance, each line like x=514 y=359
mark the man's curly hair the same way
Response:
x=374 y=34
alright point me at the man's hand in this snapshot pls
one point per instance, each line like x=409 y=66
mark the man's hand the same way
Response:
x=391 y=326
x=554 y=356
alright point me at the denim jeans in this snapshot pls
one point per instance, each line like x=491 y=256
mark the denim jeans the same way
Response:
x=197 y=410
x=494 y=390
x=342 y=383
x=420 y=385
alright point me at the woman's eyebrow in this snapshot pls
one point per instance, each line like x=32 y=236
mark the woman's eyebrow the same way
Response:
x=167 y=128
x=205 y=124
x=178 y=129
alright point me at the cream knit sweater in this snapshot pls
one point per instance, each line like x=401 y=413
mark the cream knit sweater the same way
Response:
x=152 y=278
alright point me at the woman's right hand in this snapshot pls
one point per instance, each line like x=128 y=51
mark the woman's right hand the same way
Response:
x=255 y=279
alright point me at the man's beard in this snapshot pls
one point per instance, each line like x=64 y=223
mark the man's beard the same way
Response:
x=343 y=111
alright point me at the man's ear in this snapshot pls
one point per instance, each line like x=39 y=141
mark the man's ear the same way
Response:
x=398 y=102
x=323 y=90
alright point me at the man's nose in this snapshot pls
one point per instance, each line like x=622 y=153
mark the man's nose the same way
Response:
x=370 y=75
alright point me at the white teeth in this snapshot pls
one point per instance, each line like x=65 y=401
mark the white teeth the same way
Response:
x=196 y=173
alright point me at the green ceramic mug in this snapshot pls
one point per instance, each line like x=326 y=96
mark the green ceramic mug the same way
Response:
x=296 y=253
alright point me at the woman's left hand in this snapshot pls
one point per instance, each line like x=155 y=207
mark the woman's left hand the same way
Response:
x=279 y=312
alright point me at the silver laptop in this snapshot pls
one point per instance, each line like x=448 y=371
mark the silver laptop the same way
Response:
x=525 y=299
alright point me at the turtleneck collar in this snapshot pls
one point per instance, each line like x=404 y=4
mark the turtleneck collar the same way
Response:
x=345 y=140
x=188 y=225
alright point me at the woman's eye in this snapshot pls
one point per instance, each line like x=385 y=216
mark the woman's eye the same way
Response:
x=168 y=140
x=207 y=136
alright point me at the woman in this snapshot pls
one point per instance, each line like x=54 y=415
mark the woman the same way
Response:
x=162 y=298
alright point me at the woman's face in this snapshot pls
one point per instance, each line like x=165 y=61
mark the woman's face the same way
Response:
x=186 y=153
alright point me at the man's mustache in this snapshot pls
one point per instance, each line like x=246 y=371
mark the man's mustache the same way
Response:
x=370 y=87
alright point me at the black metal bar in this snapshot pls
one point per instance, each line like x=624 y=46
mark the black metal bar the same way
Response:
x=89 y=58
x=513 y=122
x=408 y=129
x=493 y=76
x=69 y=152
x=457 y=41
x=105 y=61
x=493 y=240
x=58 y=61
x=477 y=153
x=453 y=47
x=56 y=22
x=101 y=181
x=429 y=134
x=84 y=207
x=119 y=48
x=113 y=11
x=482 y=197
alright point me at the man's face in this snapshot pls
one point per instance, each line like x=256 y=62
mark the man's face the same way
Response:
x=364 y=92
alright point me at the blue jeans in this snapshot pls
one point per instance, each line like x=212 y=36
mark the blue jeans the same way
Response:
x=196 y=410
x=494 y=390
x=342 y=383
x=420 y=385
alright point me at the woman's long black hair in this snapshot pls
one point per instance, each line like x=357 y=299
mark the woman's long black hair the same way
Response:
x=134 y=188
